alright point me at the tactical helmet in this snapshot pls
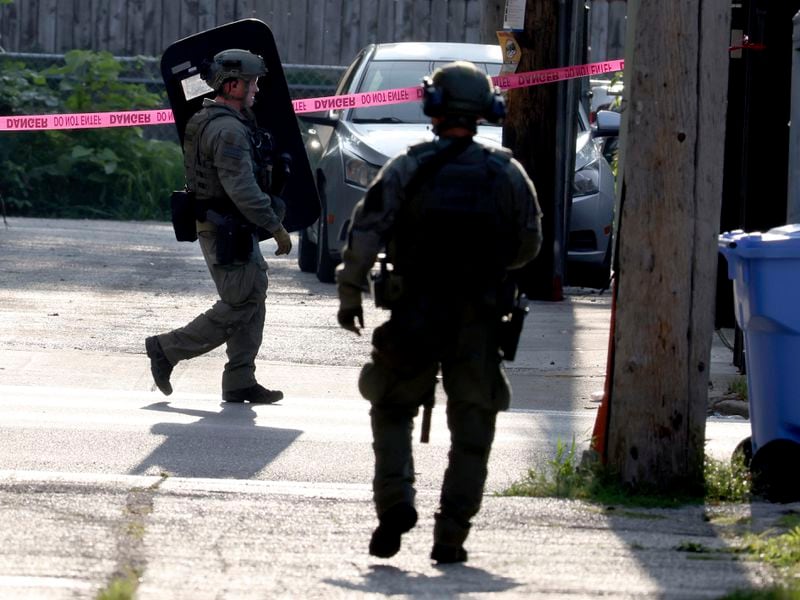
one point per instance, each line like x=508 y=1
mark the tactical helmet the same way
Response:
x=463 y=90
x=233 y=64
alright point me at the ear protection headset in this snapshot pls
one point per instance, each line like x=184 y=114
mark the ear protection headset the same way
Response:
x=432 y=98
x=497 y=108
x=436 y=102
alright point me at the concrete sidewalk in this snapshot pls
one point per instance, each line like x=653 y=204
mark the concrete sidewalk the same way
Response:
x=67 y=535
x=209 y=539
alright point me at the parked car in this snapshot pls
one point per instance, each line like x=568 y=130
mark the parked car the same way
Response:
x=356 y=142
x=605 y=94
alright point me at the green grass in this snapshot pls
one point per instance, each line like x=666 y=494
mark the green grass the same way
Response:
x=564 y=477
x=727 y=481
x=781 y=551
x=738 y=386
x=695 y=547
x=780 y=548
x=730 y=481
x=789 y=521
x=121 y=588
x=770 y=593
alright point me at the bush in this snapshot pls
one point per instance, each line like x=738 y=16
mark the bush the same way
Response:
x=102 y=173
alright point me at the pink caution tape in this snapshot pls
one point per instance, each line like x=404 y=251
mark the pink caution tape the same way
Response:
x=130 y=118
x=505 y=82
x=139 y=118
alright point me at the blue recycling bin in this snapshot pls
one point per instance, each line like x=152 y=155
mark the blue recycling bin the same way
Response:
x=765 y=269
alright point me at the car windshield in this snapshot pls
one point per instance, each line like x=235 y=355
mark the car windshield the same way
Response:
x=387 y=75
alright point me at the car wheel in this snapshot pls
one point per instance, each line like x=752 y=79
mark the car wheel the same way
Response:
x=602 y=276
x=326 y=266
x=306 y=253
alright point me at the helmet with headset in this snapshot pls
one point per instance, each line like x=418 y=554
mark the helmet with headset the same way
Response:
x=232 y=64
x=461 y=89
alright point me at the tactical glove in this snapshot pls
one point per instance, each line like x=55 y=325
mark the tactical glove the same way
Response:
x=283 y=240
x=347 y=318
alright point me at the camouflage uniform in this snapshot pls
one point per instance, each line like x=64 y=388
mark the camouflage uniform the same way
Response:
x=451 y=237
x=219 y=161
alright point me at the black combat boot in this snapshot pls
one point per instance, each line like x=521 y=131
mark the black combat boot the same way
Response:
x=444 y=554
x=396 y=521
x=449 y=534
x=160 y=367
x=255 y=394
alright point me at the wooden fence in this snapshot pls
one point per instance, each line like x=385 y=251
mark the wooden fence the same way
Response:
x=306 y=31
x=326 y=32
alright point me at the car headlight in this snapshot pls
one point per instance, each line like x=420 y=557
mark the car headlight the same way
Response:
x=587 y=180
x=359 y=172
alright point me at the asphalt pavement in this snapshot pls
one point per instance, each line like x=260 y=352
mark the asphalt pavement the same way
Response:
x=101 y=477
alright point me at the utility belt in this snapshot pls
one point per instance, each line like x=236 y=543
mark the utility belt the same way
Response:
x=235 y=238
x=389 y=288
x=234 y=232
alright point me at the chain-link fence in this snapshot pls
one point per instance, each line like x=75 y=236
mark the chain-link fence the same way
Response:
x=305 y=81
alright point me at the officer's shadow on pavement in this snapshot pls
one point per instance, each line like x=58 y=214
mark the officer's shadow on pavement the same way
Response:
x=451 y=581
x=221 y=444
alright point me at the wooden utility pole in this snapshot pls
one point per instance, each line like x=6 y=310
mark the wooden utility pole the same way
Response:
x=530 y=131
x=673 y=132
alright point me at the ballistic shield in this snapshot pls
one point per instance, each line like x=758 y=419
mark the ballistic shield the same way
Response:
x=181 y=65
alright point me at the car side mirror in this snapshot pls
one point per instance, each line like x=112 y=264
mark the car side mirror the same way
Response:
x=328 y=119
x=606 y=124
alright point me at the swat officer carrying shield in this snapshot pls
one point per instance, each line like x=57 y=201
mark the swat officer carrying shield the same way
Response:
x=453 y=217
x=228 y=171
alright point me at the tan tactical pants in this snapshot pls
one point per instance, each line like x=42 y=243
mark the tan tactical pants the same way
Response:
x=237 y=318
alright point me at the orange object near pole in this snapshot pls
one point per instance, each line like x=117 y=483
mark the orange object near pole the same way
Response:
x=600 y=433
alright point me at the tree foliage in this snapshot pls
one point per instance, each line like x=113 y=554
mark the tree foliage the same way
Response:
x=103 y=173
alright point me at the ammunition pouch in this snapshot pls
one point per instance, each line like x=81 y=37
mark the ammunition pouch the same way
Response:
x=386 y=286
x=234 y=238
x=511 y=327
x=182 y=205
x=273 y=168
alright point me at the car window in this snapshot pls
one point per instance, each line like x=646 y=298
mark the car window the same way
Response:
x=386 y=75
x=346 y=81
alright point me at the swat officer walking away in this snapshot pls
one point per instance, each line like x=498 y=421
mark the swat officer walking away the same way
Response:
x=221 y=145
x=453 y=217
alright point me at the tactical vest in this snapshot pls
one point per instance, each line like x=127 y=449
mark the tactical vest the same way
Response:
x=450 y=235
x=201 y=174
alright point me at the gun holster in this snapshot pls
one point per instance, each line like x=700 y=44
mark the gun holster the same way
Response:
x=182 y=206
x=234 y=238
x=511 y=327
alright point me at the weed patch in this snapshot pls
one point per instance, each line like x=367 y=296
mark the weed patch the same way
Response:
x=738 y=386
x=121 y=588
x=727 y=481
x=564 y=477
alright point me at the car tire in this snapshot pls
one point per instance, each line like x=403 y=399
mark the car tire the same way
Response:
x=602 y=276
x=306 y=253
x=326 y=266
